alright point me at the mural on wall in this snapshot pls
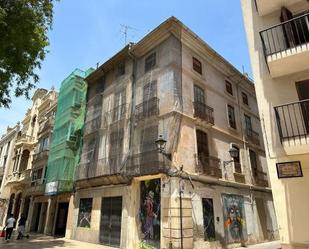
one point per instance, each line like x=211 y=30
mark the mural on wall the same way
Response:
x=234 y=218
x=150 y=211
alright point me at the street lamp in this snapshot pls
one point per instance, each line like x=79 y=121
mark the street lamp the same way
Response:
x=161 y=143
x=233 y=153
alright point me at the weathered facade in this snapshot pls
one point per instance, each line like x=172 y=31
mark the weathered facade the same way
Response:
x=38 y=207
x=190 y=193
x=20 y=173
x=278 y=38
x=7 y=143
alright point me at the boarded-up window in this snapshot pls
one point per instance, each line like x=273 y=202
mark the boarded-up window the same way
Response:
x=150 y=62
x=229 y=87
x=231 y=116
x=84 y=214
x=197 y=65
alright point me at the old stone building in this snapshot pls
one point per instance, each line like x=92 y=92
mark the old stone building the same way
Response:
x=7 y=143
x=20 y=175
x=164 y=116
x=278 y=39
x=38 y=207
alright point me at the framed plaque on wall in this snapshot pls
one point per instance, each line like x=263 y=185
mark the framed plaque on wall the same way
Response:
x=289 y=169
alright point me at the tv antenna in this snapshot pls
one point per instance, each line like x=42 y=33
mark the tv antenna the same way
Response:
x=124 y=31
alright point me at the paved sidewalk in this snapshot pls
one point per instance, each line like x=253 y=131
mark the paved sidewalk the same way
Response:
x=268 y=245
x=45 y=242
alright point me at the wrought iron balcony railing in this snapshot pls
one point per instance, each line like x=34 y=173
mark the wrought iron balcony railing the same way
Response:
x=253 y=136
x=288 y=35
x=147 y=109
x=204 y=112
x=208 y=165
x=293 y=120
x=145 y=163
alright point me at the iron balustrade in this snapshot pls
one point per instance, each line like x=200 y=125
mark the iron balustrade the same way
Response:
x=144 y=163
x=147 y=109
x=208 y=165
x=288 y=35
x=293 y=120
x=253 y=136
x=204 y=112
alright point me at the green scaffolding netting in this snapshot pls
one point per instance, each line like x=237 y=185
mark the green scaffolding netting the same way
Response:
x=66 y=141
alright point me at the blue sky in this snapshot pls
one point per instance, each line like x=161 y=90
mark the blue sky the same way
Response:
x=87 y=32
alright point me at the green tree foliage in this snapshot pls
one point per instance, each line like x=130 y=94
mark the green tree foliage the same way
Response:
x=23 y=40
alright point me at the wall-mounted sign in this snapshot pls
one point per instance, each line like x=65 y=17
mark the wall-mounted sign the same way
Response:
x=289 y=169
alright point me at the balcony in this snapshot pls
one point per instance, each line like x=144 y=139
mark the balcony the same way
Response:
x=99 y=121
x=145 y=163
x=204 y=113
x=147 y=109
x=253 y=136
x=266 y=7
x=293 y=126
x=260 y=178
x=19 y=177
x=40 y=156
x=208 y=165
x=286 y=46
x=25 y=139
x=37 y=188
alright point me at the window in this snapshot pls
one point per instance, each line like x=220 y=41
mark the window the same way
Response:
x=248 y=123
x=237 y=165
x=150 y=90
x=44 y=142
x=229 y=87
x=209 y=221
x=150 y=62
x=245 y=98
x=202 y=143
x=231 y=116
x=121 y=69
x=199 y=95
x=253 y=162
x=84 y=214
x=116 y=141
x=197 y=65
x=119 y=105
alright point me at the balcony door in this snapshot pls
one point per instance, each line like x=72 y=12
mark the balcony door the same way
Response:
x=202 y=149
x=303 y=95
x=295 y=28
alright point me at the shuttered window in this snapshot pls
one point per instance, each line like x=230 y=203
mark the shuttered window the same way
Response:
x=197 y=65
